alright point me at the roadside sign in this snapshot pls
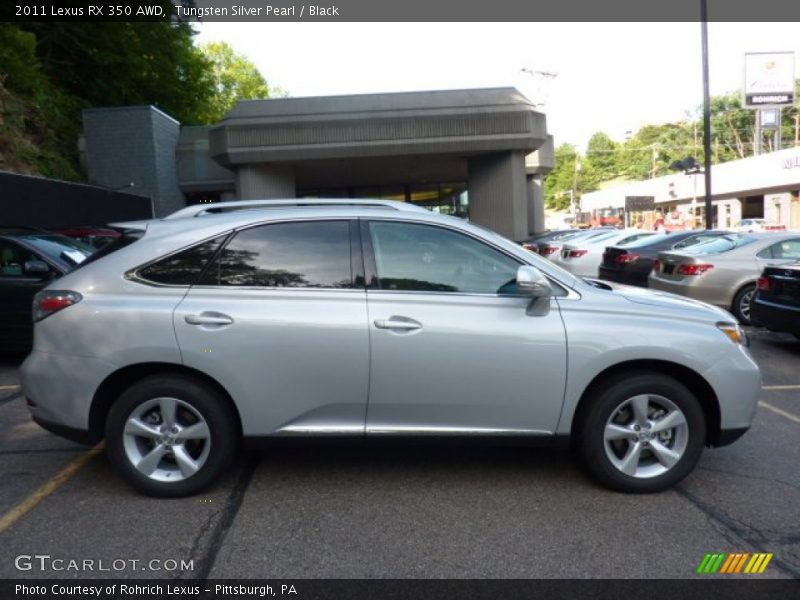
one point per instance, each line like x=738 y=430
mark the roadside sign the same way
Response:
x=639 y=203
x=768 y=79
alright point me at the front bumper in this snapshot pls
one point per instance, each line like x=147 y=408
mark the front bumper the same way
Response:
x=736 y=380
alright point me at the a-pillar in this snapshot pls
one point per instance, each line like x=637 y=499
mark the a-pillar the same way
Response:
x=263 y=182
x=497 y=193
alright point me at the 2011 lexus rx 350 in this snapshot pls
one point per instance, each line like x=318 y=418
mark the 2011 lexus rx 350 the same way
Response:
x=371 y=319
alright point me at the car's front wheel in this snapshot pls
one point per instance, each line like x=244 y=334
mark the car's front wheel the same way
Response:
x=171 y=435
x=642 y=432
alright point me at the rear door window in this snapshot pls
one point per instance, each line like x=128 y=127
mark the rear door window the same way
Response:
x=787 y=249
x=302 y=254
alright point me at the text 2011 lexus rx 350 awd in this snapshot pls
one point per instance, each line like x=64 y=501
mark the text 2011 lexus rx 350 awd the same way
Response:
x=371 y=319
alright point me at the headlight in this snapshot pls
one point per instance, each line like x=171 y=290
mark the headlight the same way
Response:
x=734 y=332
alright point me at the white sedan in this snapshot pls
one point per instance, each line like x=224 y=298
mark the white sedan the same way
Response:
x=583 y=257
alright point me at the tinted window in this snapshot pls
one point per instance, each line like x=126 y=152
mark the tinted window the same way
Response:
x=184 y=267
x=423 y=258
x=312 y=254
x=788 y=249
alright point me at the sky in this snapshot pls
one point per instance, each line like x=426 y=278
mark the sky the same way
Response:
x=610 y=77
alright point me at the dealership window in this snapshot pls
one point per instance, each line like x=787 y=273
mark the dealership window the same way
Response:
x=445 y=198
x=310 y=254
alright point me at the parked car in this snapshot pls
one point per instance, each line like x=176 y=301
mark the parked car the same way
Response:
x=30 y=258
x=725 y=272
x=776 y=303
x=96 y=237
x=292 y=320
x=583 y=257
x=533 y=242
x=551 y=248
x=631 y=264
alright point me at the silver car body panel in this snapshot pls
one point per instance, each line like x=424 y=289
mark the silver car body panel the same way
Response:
x=311 y=362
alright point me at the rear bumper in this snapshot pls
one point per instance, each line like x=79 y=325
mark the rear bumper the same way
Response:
x=81 y=436
x=775 y=317
x=62 y=388
x=695 y=292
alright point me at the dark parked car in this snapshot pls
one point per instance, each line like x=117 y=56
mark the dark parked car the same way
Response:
x=29 y=260
x=631 y=264
x=776 y=304
x=96 y=237
x=532 y=243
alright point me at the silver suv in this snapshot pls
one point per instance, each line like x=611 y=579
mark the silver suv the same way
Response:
x=371 y=319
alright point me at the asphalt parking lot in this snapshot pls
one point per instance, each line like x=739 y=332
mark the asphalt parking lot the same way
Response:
x=422 y=512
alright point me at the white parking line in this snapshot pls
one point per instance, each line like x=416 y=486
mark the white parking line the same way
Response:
x=780 y=412
x=9 y=387
x=773 y=388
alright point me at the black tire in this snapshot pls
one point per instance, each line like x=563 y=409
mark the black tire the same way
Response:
x=196 y=399
x=741 y=299
x=605 y=401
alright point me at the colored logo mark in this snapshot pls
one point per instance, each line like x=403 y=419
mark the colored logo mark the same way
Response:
x=737 y=562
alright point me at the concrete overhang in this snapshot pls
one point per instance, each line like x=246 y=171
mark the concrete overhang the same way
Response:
x=543 y=160
x=450 y=122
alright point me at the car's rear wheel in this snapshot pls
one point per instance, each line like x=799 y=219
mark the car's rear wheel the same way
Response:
x=171 y=435
x=742 y=304
x=643 y=432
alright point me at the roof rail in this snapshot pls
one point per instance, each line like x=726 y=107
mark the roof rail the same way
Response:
x=198 y=210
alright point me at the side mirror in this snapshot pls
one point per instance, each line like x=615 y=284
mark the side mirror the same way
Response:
x=531 y=282
x=35 y=267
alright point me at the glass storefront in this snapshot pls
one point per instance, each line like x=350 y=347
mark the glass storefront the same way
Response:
x=444 y=198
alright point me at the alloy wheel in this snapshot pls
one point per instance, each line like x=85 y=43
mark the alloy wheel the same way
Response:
x=166 y=439
x=646 y=436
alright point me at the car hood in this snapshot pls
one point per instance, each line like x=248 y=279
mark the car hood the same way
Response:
x=681 y=306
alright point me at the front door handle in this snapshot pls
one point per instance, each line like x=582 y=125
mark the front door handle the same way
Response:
x=401 y=323
x=208 y=319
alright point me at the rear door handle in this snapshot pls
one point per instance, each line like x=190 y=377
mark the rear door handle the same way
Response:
x=208 y=319
x=401 y=323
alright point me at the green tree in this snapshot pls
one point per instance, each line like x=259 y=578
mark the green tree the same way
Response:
x=234 y=78
x=125 y=63
x=562 y=179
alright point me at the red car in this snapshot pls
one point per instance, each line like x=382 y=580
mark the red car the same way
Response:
x=96 y=237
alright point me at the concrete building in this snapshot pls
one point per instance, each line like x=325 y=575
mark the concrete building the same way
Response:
x=474 y=153
x=764 y=187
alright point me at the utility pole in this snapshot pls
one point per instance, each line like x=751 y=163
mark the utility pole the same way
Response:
x=706 y=113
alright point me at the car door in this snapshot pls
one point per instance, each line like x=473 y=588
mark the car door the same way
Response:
x=453 y=349
x=279 y=319
x=786 y=250
x=17 y=288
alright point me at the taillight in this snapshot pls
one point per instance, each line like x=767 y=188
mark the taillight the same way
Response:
x=694 y=269
x=656 y=266
x=763 y=284
x=626 y=258
x=530 y=247
x=47 y=302
x=548 y=250
x=577 y=253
